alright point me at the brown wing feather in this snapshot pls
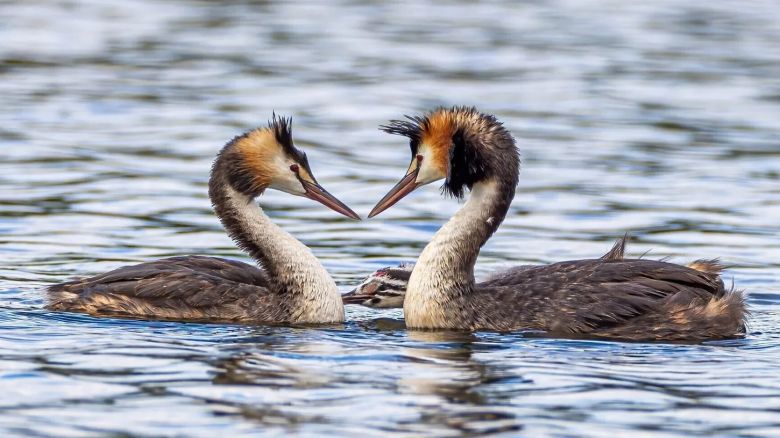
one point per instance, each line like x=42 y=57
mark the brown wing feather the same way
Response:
x=617 y=251
x=637 y=299
x=515 y=275
x=188 y=287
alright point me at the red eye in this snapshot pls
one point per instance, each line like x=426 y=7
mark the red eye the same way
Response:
x=419 y=158
x=294 y=168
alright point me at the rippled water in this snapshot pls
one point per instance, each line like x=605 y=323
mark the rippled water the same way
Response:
x=660 y=118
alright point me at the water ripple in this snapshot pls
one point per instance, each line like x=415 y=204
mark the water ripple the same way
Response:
x=660 y=119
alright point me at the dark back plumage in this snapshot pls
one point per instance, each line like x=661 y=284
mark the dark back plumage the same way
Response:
x=189 y=287
x=614 y=297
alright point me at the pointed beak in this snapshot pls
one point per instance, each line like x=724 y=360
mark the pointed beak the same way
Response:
x=316 y=192
x=407 y=184
x=352 y=297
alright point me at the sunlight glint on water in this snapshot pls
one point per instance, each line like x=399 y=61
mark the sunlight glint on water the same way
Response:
x=660 y=119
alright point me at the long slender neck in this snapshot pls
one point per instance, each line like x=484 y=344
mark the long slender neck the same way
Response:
x=297 y=277
x=443 y=277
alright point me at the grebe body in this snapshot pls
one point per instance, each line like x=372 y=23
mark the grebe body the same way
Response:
x=289 y=285
x=610 y=297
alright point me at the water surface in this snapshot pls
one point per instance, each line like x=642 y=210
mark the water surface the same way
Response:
x=661 y=119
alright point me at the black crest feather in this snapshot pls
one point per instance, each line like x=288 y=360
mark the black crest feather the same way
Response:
x=411 y=128
x=282 y=129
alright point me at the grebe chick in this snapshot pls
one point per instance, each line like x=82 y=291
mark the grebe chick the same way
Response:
x=618 y=298
x=383 y=289
x=290 y=285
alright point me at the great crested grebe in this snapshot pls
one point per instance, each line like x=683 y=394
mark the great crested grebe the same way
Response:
x=612 y=297
x=291 y=286
x=385 y=288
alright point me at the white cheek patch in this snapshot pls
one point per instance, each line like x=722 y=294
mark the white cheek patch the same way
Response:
x=428 y=172
x=288 y=184
x=286 y=180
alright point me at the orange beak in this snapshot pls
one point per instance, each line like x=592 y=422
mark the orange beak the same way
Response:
x=352 y=297
x=407 y=185
x=316 y=192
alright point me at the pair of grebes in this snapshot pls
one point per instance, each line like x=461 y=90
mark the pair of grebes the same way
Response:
x=608 y=297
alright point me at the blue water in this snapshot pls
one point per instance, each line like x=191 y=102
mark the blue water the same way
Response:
x=657 y=118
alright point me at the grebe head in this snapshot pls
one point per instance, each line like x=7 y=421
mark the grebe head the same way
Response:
x=384 y=289
x=266 y=158
x=459 y=145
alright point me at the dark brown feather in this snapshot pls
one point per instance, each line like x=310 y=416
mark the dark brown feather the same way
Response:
x=626 y=299
x=617 y=251
x=190 y=287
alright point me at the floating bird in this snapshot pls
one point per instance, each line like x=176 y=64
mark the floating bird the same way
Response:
x=609 y=297
x=383 y=289
x=289 y=286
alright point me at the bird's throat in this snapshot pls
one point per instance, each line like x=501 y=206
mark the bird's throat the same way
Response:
x=291 y=267
x=443 y=276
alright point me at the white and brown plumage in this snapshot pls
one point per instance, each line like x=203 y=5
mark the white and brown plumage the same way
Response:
x=385 y=288
x=290 y=286
x=612 y=296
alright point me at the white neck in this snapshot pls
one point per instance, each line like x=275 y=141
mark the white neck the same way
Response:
x=444 y=272
x=289 y=263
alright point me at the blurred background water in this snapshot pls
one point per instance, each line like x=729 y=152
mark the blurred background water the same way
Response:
x=657 y=118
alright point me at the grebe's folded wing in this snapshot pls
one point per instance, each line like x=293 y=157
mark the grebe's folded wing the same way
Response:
x=516 y=274
x=195 y=286
x=582 y=296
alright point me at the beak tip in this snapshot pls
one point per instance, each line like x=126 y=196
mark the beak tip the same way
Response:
x=375 y=212
x=348 y=212
x=351 y=297
x=317 y=193
x=407 y=184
